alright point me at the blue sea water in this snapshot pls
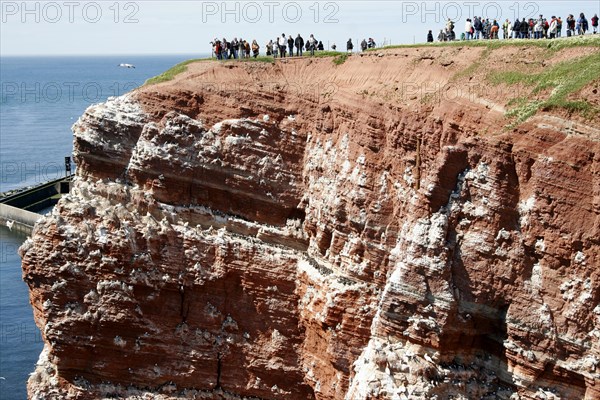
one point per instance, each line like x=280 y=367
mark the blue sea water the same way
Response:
x=20 y=340
x=40 y=99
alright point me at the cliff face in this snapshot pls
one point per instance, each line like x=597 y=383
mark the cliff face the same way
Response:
x=304 y=230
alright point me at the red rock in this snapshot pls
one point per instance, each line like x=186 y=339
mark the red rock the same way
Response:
x=270 y=241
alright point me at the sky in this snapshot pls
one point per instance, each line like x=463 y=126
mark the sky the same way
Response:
x=73 y=27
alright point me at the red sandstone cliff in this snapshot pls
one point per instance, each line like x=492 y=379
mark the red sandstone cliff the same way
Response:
x=302 y=230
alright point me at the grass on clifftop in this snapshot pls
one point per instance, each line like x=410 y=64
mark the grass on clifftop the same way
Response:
x=339 y=60
x=172 y=72
x=563 y=79
x=168 y=75
x=553 y=44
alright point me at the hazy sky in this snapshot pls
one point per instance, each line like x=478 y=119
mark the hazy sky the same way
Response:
x=168 y=27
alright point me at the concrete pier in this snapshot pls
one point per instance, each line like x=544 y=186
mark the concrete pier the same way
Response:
x=19 y=210
x=18 y=219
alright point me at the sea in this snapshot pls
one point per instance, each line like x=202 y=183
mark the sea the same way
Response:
x=40 y=99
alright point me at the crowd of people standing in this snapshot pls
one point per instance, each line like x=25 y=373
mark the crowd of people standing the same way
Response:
x=235 y=48
x=283 y=46
x=532 y=28
x=475 y=28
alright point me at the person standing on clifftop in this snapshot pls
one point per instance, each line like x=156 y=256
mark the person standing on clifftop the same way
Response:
x=290 y=43
x=494 y=30
x=247 y=48
x=429 y=37
x=478 y=26
x=582 y=24
x=224 y=48
x=516 y=28
x=524 y=28
x=570 y=25
x=234 y=48
x=441 y=36
x=269 y=47
x=537 y=29
x=282 y=44
x=363 y=45
x=218 y=49
x=487 y=29
x=595 y=23
x=506 y=29
x=299 y=42
x=468 y=29
x=312 y=44
x=531 y=28
x=240 y=48
x=349 y=46
x=552 y=28
x=255 y=48
x=230 y=50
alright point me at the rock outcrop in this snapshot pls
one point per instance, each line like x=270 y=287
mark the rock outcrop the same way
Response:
x=305 y=230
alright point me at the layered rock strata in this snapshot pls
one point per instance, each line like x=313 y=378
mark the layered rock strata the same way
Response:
x=312 y=231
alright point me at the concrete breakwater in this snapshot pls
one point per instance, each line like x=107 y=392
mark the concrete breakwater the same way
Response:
x=20 y=209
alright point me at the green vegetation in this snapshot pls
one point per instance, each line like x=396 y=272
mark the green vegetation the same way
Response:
x=471 y=69
x=306 y=54
x=547 y=89
x=264 y=59
x=554 y=45
x=563 y=79
x=172 y=72
x=509 y=77
x=339 y=60
x=323 y=53
x=182 y=67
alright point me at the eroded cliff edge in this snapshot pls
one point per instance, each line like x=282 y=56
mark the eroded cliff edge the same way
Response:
x=308 y=230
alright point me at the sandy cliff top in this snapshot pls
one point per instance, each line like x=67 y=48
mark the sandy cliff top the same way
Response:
x=497 y=78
